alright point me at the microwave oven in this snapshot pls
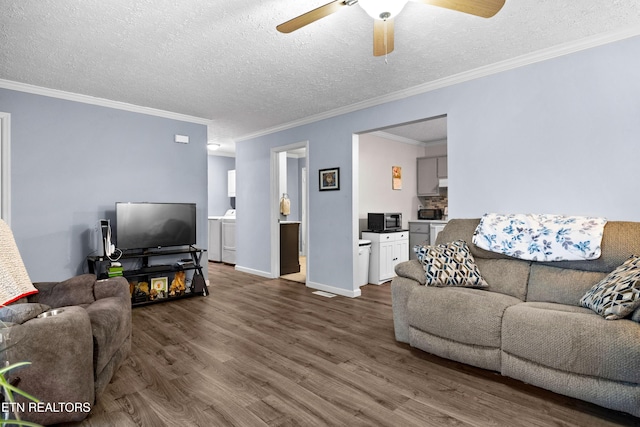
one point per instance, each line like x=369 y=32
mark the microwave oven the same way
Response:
x=384 y=221
x=430 y=214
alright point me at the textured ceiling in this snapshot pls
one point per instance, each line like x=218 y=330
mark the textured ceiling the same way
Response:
x=224 y=60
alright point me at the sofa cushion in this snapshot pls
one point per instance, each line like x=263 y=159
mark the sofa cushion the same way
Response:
x=617 y=295
x=507 y=276
x=451 y=264
x=77 y=290
x=466 y=315
x=561 y=285
x=572 y=339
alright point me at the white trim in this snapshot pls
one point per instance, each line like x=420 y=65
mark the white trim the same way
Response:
x=102 y=102
x=274 y=181
x=355 y=211
x=5 y=167
x=338 y=291
x=254 y=272
x=498 y=67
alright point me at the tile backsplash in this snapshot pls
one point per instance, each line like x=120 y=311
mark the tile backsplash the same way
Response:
x=435 y=202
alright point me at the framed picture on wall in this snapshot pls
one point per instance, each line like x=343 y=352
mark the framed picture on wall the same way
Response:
x=396 y=177
x=329 y=179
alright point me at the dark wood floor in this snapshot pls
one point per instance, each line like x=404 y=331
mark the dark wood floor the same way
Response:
x=260 y=352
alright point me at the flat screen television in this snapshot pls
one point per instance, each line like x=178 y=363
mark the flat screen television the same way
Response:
x=155 y=225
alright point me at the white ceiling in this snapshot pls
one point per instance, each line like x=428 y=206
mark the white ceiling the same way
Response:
x=433 y=130
x=224 y=61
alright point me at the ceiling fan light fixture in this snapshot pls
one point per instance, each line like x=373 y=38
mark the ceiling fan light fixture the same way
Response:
x=382 y=9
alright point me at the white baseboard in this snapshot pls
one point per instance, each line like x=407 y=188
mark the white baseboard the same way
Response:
x=260 y=273
x=338 y=291
x=319 y=286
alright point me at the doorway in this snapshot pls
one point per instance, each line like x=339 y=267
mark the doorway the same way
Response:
x=289 y=186
x=404 y=147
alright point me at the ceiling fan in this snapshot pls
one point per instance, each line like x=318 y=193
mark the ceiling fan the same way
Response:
x=383 y=12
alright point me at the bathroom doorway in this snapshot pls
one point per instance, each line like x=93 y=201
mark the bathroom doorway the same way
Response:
x=289 y=212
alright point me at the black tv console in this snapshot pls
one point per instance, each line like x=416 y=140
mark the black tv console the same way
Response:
x=153 y=282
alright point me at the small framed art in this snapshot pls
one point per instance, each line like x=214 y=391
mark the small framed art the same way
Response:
x=329 y=179
x=160 y=286
x=396 y=177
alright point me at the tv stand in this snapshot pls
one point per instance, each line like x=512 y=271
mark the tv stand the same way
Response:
x=151 y=283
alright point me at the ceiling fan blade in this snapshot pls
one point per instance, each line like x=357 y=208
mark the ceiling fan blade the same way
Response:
x=382 y=37
x=311 y=16
x=483 y=8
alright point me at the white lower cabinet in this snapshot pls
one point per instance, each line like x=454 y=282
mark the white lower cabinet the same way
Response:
x=387 y=250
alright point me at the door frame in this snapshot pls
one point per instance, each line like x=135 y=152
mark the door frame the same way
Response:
x=5 y=167
x=275 y=205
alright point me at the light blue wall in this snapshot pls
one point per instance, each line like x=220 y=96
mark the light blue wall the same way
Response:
x=559 y=136
x=219 y=201
x=71 y=162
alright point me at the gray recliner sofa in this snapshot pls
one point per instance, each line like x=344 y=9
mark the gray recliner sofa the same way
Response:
x=528 y=323
x=74 y=333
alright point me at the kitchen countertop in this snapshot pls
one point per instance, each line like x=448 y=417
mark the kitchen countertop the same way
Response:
x=437 y=221
x=386 y=231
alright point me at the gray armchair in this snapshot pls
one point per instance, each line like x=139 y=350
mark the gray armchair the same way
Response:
x=75 y=333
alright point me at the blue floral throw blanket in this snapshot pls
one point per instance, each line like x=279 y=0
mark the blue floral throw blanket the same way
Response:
x=541 y=237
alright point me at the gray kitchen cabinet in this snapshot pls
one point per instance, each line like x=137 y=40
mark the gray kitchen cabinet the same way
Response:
x=442 y=167
x=430 y=171
x=428 y=176
x=418 y=235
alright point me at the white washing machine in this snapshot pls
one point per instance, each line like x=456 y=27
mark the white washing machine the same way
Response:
x=228 y=233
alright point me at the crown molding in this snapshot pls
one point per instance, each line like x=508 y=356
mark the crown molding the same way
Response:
x=498 y=67
x=102 y=102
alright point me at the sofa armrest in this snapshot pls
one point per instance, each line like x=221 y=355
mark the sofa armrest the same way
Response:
x=635 y=316
x=401 y=290
x=413 y=270
x=112 y=287
x=60 y=349
x=110 y=317
x=75 y=291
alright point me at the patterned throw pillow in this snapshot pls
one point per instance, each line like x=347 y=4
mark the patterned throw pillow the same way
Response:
x=421 y=251
x=617 y=295
x=450 y=264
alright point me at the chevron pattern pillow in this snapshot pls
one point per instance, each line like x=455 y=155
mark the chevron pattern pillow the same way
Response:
x=617 y=295
x=450 y=264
